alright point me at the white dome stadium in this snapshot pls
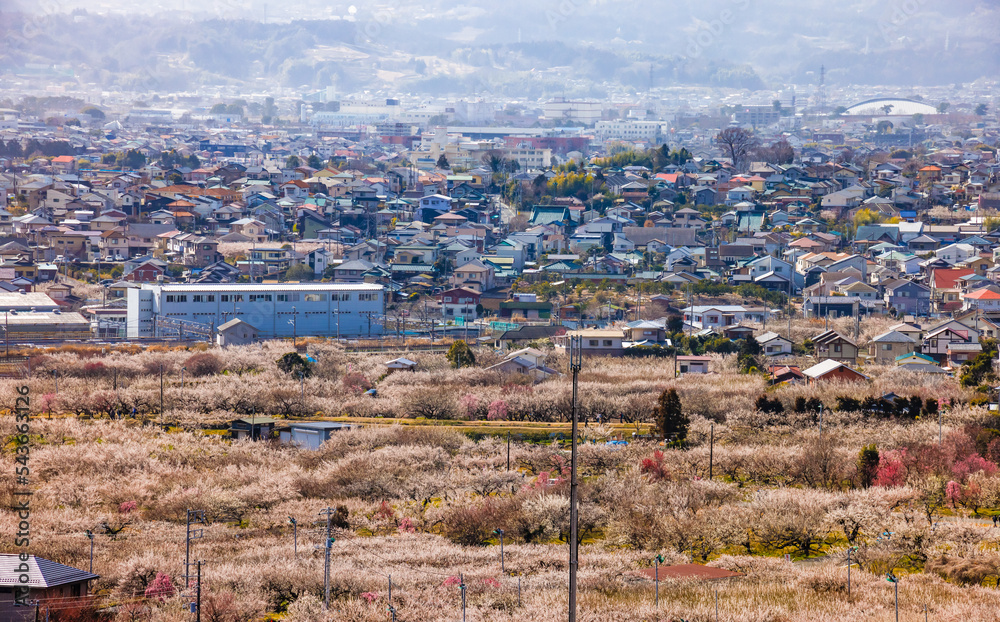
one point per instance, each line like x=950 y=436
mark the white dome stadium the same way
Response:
x=899 y=108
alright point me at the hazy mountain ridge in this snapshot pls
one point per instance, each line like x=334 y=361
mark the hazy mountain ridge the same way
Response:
x=519 y=47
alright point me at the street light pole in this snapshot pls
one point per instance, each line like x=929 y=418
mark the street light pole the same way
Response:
x=849 y=550
x=656 y=577
x=575 y=362
x=295 y=535
x=499 y=532
x=896 y=588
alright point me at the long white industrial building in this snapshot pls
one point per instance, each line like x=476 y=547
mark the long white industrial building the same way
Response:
x=275 y=310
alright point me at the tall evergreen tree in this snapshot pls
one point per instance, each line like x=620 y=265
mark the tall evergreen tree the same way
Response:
x=671 y=422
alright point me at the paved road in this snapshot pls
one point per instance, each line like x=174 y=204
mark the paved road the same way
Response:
x=507 y=212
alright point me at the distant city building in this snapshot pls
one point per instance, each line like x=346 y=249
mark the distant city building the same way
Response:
x=756 y=115
x=631 y=130
x=274 y=310
x=561 y=109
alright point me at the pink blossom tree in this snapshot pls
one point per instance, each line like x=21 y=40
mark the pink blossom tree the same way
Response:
x=497 y=411
x=160 y=588
x=469 y=405
x=891 y=470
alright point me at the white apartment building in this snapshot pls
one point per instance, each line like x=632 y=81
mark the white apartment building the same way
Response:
x=560 y=109
x=275 y=310
x=629 y=130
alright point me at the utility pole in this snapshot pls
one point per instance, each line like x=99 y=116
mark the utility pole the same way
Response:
x=791 y=277
x=90 y=536
x=575 y=362
x=711 y=451
x=198 y=604
x=193 y=516
x=857 y=318
x=295 y=535
x=327 y=545
x=161 y=420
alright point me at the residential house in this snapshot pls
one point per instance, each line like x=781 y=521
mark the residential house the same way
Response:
x=889 y=346
x=598 y=342
x=917 y=362
x=832 y=345
x=646 y=331
x=839 y=306
x=352 y=271
x=946 y=290
x=64 y=590
x=711 y=316
x=939 y=340
x=251 y=228
x=773 y=344
x=525 y=306
x=460 y=302
x=785 y=373
x=832 y=370
x=960 y=353
x=474 y=275
x=985 y=299
x=907 y=297
x=144 y=270
x=526 y=361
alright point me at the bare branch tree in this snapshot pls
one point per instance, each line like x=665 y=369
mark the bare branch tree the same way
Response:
x=737 y=143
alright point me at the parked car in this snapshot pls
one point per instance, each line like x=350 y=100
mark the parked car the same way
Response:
x=60 y=258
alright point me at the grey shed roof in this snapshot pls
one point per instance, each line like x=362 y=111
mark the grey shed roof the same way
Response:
x=319 y=425
x=893 y=337
x=234 y=323
x=42 y=573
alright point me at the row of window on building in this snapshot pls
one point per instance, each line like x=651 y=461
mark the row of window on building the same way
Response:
x=364 y=297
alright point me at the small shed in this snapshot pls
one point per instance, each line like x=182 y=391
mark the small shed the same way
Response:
x=235 y=332
x=693 y=364
x=401 y=363
x=310 y=434
x=254 y=428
